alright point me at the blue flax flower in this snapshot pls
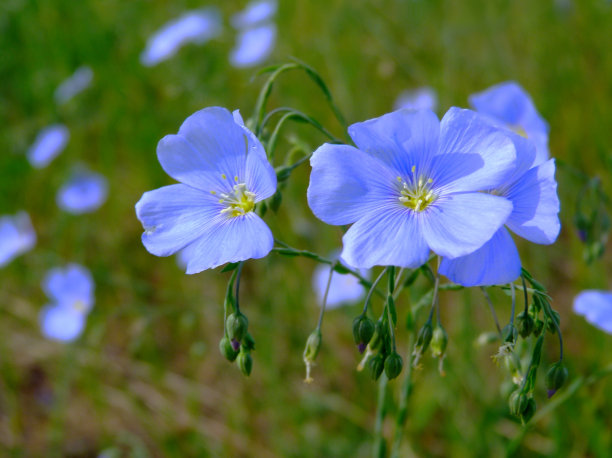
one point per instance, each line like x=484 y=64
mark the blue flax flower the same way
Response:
x=423 y=98
x=412 y=185
x=255 y=13
x=224 y=172
x=85 y=192
x=253 y=46
x=71 y=290
x=343 y=289
x=510 y=105
x=48 y=144
x=532 y=189
x=17 y=236
x=596 y=307
x=197 y=26
x=79 y=81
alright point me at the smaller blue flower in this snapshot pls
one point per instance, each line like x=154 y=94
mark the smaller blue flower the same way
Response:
x=423 y=98
x=596 y=307
x=255 y=13
x=17 y=236
x=253 y=46
x=510 y=105
x=197 y=27
x=71 y=290
x=85 y=192
x=343 y=289
x=532 y=189
x=223 y=172
x=48 y=144
x=79 y=81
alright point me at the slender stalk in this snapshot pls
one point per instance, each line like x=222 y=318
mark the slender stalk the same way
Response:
x=486 y=295
x=513 y=292
x=402 y=412
x=525 y=295
x=238 y=276
x=372 y=288
x=379 y=450
x=391 y=288
x=323 y=305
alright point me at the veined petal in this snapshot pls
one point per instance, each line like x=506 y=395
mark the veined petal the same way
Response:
x=465 y=132
x=402 y=139
x=459 y=224
x=208 y=152
x=390 y=236
x=596 y=307
x=61 y=323
x=260 y=177
x=229 y=240
x=495 y=263
x=347 y=183
x=536 y=205
x=174 y=216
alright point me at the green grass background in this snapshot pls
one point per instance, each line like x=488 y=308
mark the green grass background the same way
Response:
x=146 y=378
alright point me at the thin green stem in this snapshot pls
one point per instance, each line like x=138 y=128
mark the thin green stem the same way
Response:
x=238 y=276
x=486 y=295
x=402 y=412
x=525 y=294
x=391 y=288
x=372 y=289
x=434 y=300
x=329 y=279
x=513 y=293
x=379 y=440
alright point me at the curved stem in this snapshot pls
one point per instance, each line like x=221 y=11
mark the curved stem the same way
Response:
x=525 y=294
x=238 y=276
x=513 y=292
x=486 y=295
x=372 y=288
x=329 y=279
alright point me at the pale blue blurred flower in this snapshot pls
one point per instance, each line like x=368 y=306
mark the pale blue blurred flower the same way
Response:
x=343 y=289
x=413 y=185
x=17 y=236
x=255 y=13
x=223 y=172
x=83 y=193
x=596 y=307
x=532 y=189
x=79 y=81
x=510 y=105
x=71 y=290
x=48 y=144
x=423 y=98
x=254 y=46
x=197 y=26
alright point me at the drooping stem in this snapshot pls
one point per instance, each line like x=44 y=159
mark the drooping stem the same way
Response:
x=372 y=289
x=391 y=270
x=513 y=293
x=486 y=295
x=525 y=294
x=402 y=412
x=238 y=276
x=323 y=305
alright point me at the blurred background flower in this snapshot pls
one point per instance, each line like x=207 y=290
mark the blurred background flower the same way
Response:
x=49 y=142
x=17 y=236
x=79 y=81
x=596 y=307
x=84 y=192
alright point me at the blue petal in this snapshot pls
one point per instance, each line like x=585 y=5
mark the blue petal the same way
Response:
x=254 y=46
x=174 y=216
x=512 y=106
x=75 y=84
x=260 y=177
x=459 y=224
x=84 y=193
x=208 y=152
x=389 y=236
x=343 y=289
x=70 y=285
x=255 y=13
x=346 y=184
x=61 y=323
x=193 y=27
x=255 y=145
x=48 y=144
x=466 y=133
x=229 y=240
x=535 y=215
x=495 y=263
x=401 y=139
x=17 y=236
x=596 y=307
x=423 y=98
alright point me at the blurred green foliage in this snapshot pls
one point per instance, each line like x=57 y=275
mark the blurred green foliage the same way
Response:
x=146 y=379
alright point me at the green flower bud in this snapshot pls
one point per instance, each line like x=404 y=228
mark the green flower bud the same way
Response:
x=557 y=318
x=528 y=411
x=509 y=333
x=525 y=324
x=538 y=328
x=393 y=365
x=378 y=338
x=226 y=349
x=313 y=344
x=245 y=362
x=424 y=337
x=363 y=330
x=376 y=366
x=439 y=341
x=236 y=326
x=518 y=403
x=248 y=342
x=556 y=377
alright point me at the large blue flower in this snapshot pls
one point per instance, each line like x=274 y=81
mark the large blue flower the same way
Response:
x=411 y=186
x=596 y=307
x=71 y=290
x=511 y=106
x=223 y=172
x=532 y=189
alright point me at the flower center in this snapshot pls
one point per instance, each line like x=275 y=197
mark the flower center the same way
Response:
x=238 y=202
x=79 y=306
x=416 y=192
x=518 y=130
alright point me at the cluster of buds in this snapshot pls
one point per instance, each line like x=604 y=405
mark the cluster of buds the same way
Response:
x=237 y=343
x=379 y=353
